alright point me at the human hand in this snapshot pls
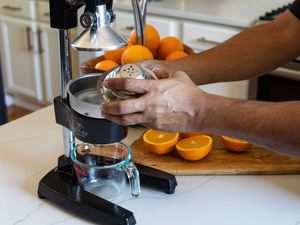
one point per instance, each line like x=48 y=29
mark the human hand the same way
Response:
x=162 y=69
x=172 y=104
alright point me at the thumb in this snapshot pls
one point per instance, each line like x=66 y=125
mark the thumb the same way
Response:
x=129 y=84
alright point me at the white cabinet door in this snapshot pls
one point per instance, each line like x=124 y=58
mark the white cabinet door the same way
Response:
x=48 y=45
x=20 y=55
x=202 y=36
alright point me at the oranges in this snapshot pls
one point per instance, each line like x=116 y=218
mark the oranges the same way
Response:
x=194 y=148
x=168 y=45
x=136 y=53
x=115 y=55
x=106 y=65
x=152 y=38
x=176 y=55
x=167 y=48
x=236 y=145
x=160 y=142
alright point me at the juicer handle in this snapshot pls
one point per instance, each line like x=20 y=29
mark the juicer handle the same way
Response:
x=134 y=179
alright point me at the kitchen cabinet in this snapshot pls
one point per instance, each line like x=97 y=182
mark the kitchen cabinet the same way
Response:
x=50 y=61
x=202 y=36
x=21 y=62
x=30 y=52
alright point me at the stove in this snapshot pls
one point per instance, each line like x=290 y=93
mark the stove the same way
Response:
x=283 y=83
x=272 y=14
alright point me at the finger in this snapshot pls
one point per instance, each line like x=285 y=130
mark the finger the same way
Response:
x=129 y=84
x=149 y=64
x=123 y=107
x=182 y=76
x=157 y=67
x=126 y=120
x=162 y=73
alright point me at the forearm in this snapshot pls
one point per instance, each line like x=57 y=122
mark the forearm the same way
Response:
x=271 y=125
x=248 y=54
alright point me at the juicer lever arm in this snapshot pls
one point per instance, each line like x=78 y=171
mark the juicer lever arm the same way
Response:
x=157 y=178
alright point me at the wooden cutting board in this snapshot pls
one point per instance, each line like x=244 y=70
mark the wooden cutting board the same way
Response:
x=219 y=161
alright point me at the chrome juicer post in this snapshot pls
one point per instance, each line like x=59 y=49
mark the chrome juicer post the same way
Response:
x=65 y=77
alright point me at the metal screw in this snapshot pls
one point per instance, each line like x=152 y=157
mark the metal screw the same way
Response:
x=87 y=19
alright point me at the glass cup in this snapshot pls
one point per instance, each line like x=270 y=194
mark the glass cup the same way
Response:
x=103 y=169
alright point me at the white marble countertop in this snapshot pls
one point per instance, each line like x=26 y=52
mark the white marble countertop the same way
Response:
x=29 y=148
x=241 y=13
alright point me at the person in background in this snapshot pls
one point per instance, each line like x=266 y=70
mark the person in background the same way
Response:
x=174 y=102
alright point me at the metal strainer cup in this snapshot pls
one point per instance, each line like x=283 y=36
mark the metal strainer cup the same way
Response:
x=124 y=71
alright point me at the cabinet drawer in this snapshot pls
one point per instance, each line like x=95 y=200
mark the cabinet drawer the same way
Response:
x=204 y=36
x=124 y=24
x=43 y=11
x=18 y=8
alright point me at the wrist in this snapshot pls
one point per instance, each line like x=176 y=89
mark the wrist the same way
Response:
x=212 y=115
x=202 y=110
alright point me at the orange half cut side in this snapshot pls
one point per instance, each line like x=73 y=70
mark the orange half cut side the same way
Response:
x=160 y=142
x=194 y=148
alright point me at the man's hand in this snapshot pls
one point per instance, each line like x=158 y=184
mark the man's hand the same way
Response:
x=162 y=69
x=170 y=104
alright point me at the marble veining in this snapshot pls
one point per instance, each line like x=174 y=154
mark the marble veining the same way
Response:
x=25 y=157
x=21 y=220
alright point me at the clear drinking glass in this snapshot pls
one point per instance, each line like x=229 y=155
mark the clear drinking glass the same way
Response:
x=103 y=169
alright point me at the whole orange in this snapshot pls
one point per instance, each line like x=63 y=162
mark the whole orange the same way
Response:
x=176 y=55
x=236 y=145
x=194 y=148
x=160 y=142
x=106 y=65
x=115 y=55
x=167 y=45
x=136 y=53
x=152 y=38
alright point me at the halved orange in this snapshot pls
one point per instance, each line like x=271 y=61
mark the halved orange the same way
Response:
x=194 y=148
x=236 y=145
x=192 y=134
x=160 y=142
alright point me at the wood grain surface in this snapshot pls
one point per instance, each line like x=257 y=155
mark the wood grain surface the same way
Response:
x=219 y=161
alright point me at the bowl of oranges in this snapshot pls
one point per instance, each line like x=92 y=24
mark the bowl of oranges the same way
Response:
x=167 y=48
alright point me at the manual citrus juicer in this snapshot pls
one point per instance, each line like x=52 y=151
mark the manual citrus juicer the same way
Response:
x=77 y=110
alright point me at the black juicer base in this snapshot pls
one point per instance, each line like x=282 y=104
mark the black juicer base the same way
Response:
x=60 y=186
